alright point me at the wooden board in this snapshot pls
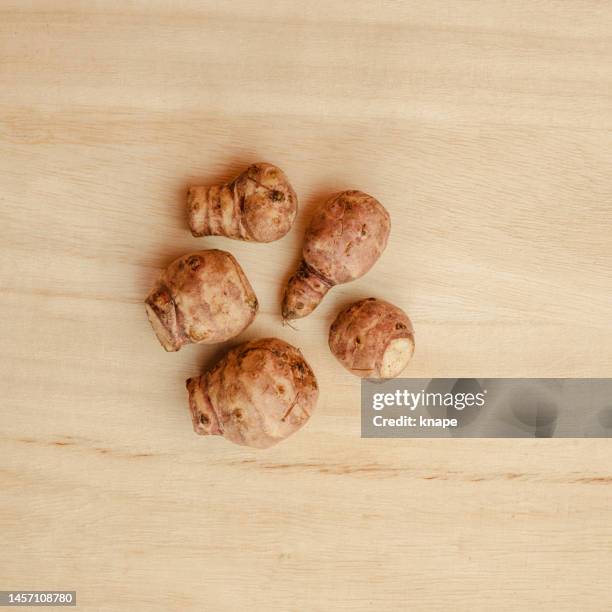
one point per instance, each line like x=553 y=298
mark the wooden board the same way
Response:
x=486 y=130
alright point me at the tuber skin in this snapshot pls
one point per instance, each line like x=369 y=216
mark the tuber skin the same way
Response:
x=343 y=241
x=259 y=205
x=260 y=393
x=372 y=338
x=201 y=298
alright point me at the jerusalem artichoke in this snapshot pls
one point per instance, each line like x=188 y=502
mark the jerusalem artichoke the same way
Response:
x=343 y=241
x=259 y=205
x=372 y=338
x=203 y=297
x=260 y=393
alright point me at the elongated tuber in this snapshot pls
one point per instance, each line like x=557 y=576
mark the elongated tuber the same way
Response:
x=343 y=241
x=259 y=205
x=260 y=393
x=372 y=338
x=203 y=297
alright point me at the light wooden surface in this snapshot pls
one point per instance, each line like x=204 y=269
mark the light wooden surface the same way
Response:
x=486 y=130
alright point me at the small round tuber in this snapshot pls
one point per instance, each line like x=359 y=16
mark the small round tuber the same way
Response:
x=259 y=205
x=203 y=298
x=260 y=393
x=343 y=241
x=372 y=338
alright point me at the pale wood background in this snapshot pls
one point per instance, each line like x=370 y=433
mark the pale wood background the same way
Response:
x=484 y=127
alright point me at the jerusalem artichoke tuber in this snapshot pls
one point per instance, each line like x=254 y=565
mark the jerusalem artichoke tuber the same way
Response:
x=343 y=241
x=260 y=393
x=372 y=338
x=259 y=205
x=203 y=297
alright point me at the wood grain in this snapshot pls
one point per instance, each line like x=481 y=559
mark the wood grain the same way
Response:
x=486 y=130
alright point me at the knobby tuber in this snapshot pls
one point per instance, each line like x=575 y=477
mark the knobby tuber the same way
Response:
x=372 y=338
x=203 y=297
x=259 y=205
x=343 y=241
x=260 y=393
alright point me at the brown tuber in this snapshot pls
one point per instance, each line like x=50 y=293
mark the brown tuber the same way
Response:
x=372 y=338
x=343 y=241
x=203 y=297
x=259 y=205
x=260 y=393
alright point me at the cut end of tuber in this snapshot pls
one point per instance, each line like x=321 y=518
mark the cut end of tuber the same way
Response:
x=161 y=312
x=396 y=357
